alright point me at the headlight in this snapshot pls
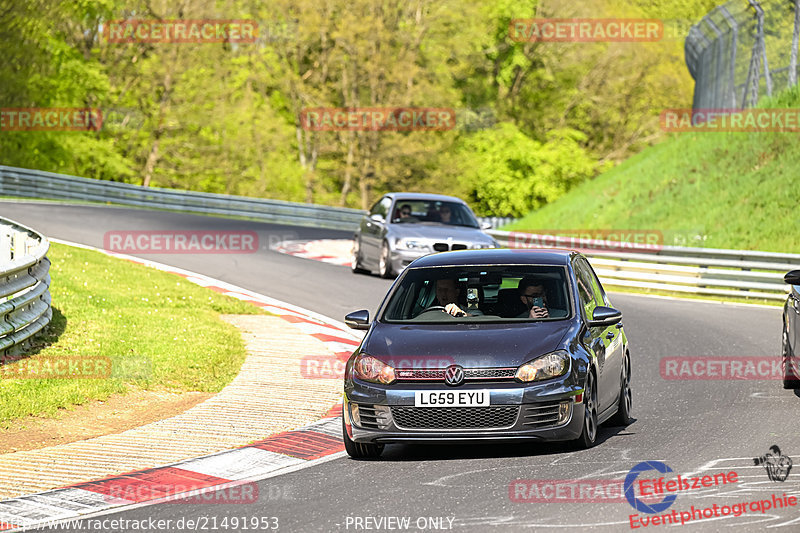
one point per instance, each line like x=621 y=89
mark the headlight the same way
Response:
x=481 y=246
x=411 y=244
x=547 y=366
x=368 y=368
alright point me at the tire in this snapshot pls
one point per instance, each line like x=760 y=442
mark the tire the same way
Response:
x=355 y=259
x=360 y=450
x=589 y=434
x=790 y=380
x=623 y=416
x=385 y=262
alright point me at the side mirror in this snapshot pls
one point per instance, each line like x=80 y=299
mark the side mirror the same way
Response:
x=605 y=316
x=376 y=218
x=358 y=319
x=792 y=278
x=486 y=225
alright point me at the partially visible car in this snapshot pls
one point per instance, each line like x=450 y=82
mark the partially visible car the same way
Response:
x=791 y=332
x=422 y=374
x=387 y=241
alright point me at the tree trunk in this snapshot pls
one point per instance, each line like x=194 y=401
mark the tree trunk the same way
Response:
x=348 y=169
x=150 y=164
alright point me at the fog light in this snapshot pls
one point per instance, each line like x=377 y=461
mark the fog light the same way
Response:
x=355 y=417
x=564 y=410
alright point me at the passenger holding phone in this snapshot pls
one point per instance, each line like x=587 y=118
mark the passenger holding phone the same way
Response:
x=533 y=295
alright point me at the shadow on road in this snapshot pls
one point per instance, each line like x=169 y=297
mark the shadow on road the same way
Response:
x=487 y=450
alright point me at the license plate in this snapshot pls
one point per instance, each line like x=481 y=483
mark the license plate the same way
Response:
x=472 y=398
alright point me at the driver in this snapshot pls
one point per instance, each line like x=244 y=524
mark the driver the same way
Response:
x=447 y=293
x=405 y=211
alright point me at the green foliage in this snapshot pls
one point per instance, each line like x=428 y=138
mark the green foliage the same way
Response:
x=720 y=190
x=507 y=173
x=225 y=117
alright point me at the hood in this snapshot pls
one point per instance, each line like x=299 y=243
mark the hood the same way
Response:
x=469 y=345
x=439 y=233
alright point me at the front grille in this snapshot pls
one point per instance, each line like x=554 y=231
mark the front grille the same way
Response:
x=542 y=415
x=454 y=418
x=441 y=247
x=470 y=374
x=459 y=247
x=489 y=373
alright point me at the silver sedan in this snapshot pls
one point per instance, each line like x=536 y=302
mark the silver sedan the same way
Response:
x=401 y=227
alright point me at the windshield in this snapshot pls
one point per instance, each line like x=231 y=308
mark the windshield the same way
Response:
x=433 y=212
x=480 y=293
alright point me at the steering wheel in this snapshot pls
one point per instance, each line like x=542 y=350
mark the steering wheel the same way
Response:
x=434 y=308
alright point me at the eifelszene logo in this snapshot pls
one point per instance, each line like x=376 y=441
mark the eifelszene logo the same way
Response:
x=638 y=504
x=776 y=464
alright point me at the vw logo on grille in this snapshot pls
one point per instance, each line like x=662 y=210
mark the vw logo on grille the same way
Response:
x=454 y=375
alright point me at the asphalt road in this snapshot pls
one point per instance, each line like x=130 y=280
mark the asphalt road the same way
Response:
x=706 y=426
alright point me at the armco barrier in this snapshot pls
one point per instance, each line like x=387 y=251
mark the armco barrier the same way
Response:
x=710 y=271
x=24 y=285
x=39 y=184
x=738 y=273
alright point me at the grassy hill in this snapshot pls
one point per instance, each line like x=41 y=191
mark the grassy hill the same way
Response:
x=719 y=190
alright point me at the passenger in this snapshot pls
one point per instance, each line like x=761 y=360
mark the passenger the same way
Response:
x=445 y=214
x=533 y=295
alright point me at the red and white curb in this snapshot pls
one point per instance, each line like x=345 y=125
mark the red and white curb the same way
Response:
x=307 y=250
x=279 y=453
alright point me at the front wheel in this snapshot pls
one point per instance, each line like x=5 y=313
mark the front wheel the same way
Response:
x=623 y=416
x=589 y=434
x=360 y=450
x=385 y=262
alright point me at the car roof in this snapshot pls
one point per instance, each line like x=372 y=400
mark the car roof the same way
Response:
x=424 y=196
x=497 y=256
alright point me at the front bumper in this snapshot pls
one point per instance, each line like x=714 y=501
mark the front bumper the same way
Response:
x=526 y=399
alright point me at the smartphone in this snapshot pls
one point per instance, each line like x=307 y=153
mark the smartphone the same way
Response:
x=538 y=302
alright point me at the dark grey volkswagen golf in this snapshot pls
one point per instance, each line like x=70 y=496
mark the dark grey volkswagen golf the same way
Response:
x=488 y=345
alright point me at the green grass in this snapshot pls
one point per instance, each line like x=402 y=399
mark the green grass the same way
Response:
x=717 y=190
x=159 y=331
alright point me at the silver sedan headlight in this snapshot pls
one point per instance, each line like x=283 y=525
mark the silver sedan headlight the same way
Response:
x=413 y=245
x=482 y=245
